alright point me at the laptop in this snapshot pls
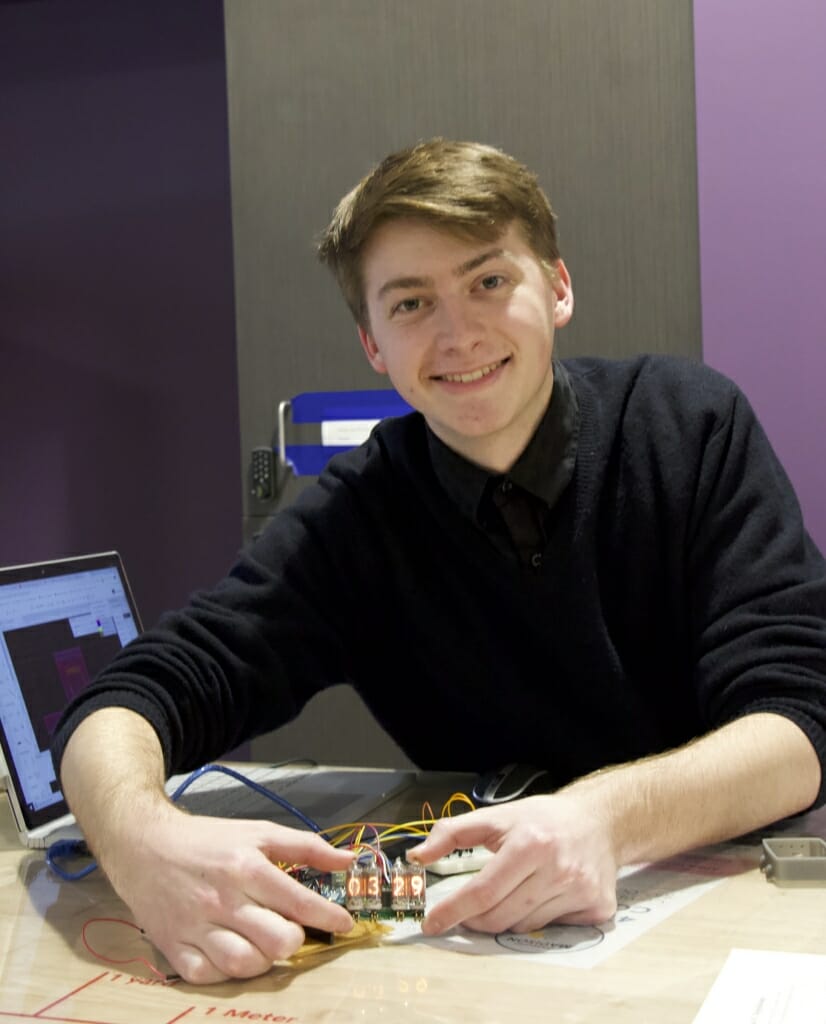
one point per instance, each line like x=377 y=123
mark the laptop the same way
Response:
x=63 y=621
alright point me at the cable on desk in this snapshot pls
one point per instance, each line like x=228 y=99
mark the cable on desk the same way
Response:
x=131 y=960
x=262 y=790
x=349 y=834
x=65 y=849
x=69 y=849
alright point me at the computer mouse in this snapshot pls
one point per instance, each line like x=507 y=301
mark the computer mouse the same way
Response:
x=509 y=782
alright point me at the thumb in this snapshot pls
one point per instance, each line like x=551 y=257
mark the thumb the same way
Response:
x=439 y=843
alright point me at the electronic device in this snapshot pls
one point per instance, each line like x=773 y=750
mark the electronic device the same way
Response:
x=511 y=782
x=61 y=622
x=794 y=860
x=262 y=473
x=366 y=890
x=461 y=862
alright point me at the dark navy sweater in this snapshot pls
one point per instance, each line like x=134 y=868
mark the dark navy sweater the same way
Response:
x=678 y=590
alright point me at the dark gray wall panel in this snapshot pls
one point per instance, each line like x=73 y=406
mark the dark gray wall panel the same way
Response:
x=596 y=95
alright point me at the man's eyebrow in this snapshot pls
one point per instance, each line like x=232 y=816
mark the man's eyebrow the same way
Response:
x=404 y=282
x=477 y=261
x=427 y=282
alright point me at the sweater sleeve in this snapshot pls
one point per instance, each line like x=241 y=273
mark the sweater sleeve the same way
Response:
x=757 y=585
x=245 y=656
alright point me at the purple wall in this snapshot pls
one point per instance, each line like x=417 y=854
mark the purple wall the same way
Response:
x=119 y=423
x=761 y=127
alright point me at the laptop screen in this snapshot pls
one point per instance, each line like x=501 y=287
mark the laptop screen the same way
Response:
x=60 y=623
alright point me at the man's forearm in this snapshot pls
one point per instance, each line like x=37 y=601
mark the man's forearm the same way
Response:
x=749 y=773
x=112 y=772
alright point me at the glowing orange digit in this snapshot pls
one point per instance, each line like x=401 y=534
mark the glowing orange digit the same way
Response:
x=398 y=885
x=354 y=886
x=416 y=884
x=373 y=885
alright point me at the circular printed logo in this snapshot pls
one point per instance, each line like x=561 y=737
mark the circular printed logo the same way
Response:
x=556 y=938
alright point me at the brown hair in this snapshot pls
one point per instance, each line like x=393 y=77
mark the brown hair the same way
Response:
x=469 y=189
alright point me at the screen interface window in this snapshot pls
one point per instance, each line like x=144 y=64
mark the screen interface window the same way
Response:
x=56 y=634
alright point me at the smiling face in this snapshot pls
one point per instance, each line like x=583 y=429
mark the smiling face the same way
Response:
x=465 y=331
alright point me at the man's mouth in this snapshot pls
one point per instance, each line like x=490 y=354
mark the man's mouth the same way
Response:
x=472 y=375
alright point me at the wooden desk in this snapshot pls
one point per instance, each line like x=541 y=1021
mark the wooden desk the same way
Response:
x=663 y=976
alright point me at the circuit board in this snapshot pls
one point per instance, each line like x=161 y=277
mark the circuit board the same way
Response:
x=371 y=891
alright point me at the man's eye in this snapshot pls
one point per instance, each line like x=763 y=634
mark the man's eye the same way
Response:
x=492 y=281
x=407 y=306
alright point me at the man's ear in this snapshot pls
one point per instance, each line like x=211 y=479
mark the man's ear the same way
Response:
x=374 y=357
x=561 y=284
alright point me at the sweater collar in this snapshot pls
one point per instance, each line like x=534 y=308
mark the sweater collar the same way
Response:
x=544 y=468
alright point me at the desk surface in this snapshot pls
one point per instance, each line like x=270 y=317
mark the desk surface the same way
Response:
x=663 y=975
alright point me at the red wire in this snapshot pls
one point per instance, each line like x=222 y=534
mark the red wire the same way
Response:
x=108 y=959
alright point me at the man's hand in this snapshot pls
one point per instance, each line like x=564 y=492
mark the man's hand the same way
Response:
x=553 y=862
x=556 y=857
x=207 y=891
x=209 y=896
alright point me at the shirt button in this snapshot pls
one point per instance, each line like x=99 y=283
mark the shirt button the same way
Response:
x=507 y=486
x=536 y=560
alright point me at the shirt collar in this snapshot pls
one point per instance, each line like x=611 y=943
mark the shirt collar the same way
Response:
x=544 y=468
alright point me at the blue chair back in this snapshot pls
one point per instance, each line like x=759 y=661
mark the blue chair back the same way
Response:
x=345 y=418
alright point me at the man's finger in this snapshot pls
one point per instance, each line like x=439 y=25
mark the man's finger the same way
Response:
x=474 y=829
x=271 y=887
x=495 y=883
x=275 y=937
x=237 y=956
x=282 y=844
x=192 y=964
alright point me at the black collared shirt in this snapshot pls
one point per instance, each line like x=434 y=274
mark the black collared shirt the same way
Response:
x=513 y=508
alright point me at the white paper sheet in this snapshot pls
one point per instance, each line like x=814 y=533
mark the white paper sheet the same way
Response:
x=646 y=895
x=760 y=987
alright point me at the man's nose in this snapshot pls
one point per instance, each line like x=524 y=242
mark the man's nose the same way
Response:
x=456 y=324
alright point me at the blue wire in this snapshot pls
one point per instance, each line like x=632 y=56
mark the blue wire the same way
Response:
x=77 y=847
x=69 y=848
x=247 y=782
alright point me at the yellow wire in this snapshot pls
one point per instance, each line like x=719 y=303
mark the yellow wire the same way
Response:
x=353 y=832
x=456 y=798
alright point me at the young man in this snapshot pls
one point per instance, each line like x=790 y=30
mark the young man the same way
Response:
x=598 y=568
